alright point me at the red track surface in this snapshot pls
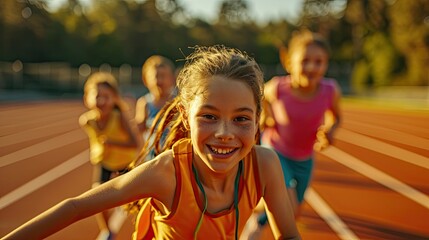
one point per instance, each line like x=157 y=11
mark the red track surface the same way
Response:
x=373 y=183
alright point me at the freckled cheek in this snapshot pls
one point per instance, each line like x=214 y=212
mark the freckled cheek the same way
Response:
x=202 y=129
x=247 y=131
x=238 y=130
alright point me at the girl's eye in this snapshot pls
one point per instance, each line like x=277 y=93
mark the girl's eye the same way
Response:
x=241 y=119
x=319 y=62
x=208 y=116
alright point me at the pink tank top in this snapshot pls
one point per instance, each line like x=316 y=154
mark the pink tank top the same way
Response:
x=295 y=137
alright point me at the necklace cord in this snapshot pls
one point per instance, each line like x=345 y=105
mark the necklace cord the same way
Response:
x=200 y=221
x=236 y=190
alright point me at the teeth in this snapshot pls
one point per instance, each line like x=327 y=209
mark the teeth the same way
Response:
x=222 y=150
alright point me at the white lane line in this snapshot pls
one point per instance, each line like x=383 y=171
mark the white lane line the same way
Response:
x=376 y=175
x=44 y=179
x=325 y=211
x=381 y=147
x=115 y=223
x=38 y=132
x=388 y=134
x=36 y=149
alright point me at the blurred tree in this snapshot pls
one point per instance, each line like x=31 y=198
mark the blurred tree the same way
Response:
x=233 y=13
x=375 y=57
x=202 y=32
x=269 y=40
x=409 y=28
x=105 y=45
x=24 y=28
x=321 y=15
x=387 y=40
x=71 y=34
x=325 y=17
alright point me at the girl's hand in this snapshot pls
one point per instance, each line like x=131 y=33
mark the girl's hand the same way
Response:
x=102 y=139
x=323 y=140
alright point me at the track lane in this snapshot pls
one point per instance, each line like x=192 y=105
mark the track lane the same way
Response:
x=369 y=209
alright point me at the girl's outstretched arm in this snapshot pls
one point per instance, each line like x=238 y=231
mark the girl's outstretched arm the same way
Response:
x=121 y=190
x=278 y=206
x=336 y=112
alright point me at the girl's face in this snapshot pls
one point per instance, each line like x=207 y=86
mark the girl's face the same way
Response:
x=223 y=123
x=160 y=79
x=105 y=98
x=308 y=65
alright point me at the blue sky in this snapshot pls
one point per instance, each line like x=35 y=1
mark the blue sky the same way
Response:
x=261 y=10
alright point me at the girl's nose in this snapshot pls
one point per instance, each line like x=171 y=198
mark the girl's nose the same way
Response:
x=309 y=67
x=224 y=132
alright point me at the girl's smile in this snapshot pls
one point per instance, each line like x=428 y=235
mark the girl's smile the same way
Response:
x=223 y=122
x=221 y=150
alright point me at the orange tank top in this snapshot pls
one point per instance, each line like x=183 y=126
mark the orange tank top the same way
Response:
x=187 y=208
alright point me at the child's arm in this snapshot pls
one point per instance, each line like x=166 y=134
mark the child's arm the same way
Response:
x=141 y=113
x=267 y=118
x=123 y=189
x=278 y=206
x=325 y=133
x=336 y=112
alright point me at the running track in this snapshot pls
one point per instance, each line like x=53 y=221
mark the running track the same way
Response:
x=373 y=183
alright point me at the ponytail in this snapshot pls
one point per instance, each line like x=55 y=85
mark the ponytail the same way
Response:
x=167 y=119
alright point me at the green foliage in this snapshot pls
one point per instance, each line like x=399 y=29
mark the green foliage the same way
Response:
x=385 y=42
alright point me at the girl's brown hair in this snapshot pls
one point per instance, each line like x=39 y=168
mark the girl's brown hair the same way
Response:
x=156 y=61
x=299 y=40
x=199 y=67
x=108 y=80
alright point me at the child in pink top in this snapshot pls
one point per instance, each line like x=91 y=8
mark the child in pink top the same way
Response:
x=297 y=118
x=295 y=112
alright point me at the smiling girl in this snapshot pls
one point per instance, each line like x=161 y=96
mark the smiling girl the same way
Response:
x=113 y=137
x=301 y=114
x=211 y=174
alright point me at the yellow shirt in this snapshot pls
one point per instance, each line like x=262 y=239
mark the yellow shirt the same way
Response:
x=110 y=156
x=187 y=207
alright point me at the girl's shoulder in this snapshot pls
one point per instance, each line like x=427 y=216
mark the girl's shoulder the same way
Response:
x=148 y=97
x=265 y=156
x=277 y=83
x=161 y=168
x=144 y=100
x=277 y=80
x=164 y=162
x=329 y=82
x=155 y=178
x=88 y=117
x=268 y=163
x=331 y=86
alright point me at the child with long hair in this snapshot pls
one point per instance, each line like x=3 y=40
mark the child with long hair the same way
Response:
x=211 y=173
x=113 y=138
x=301 y=114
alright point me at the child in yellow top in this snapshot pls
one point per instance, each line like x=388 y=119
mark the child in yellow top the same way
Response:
x=113 y=139
x=210 y=163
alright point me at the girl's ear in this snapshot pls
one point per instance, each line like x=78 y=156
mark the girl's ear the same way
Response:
x=284 y=59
